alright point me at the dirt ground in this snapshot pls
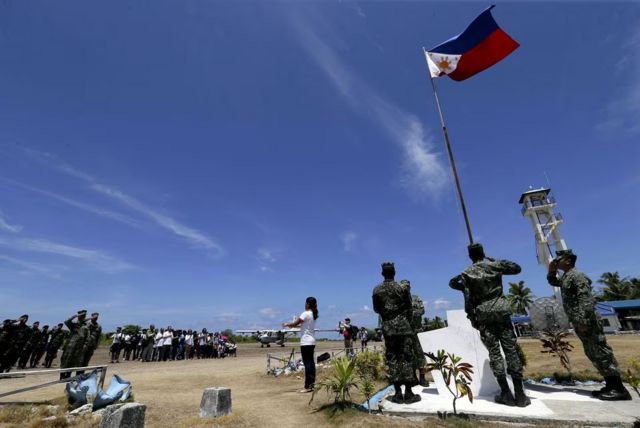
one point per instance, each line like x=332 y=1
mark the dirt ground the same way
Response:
x=172 y=390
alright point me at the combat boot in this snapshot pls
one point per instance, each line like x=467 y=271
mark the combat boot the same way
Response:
x=617 y=392
x=423 y=382
x=409 y=396
x=606 y=388
x=521 y=397
x=505 y=397
x=397 y=397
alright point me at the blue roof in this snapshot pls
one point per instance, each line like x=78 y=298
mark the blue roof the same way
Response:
x=622 y=304
x=520 y=318
x=603 y=309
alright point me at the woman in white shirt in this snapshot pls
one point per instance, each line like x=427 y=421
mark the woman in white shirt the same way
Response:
x=307 y=323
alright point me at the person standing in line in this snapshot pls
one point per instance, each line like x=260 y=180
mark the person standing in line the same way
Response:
x=167 y=336
x=72 y=355
x=34 y=338
x=157 y=345
x=40 y=347
x=116 y=345
x=149 y=340
x=364 y=338
x=55 y=342
x=188 y=342
x=93 y=340
x=307 y=323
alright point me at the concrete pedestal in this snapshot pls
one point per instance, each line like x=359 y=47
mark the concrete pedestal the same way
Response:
x=461 y=339
x=215 y=402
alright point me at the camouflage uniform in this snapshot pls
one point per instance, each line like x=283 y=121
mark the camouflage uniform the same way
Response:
x=18 y=338
x=490 y=312
x=416 y=323
x=392 y=301
x=579 y=304
x=34 y=339
x=57 y=338
x=93 y=340
x=73 y=351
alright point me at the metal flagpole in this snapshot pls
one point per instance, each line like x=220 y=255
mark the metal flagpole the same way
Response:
x=450 y=153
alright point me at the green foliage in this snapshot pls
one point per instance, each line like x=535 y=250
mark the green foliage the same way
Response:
x=131 y=329
x=340 y=382
x=555 y=343
x=617 y=288
x=520 y=297
x=632 y=376
x=370 y=365
x=429 y=324
x=368 y=388
x=451 y=368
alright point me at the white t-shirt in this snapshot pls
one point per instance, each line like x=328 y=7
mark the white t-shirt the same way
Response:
x=307 y=329
x=166 y=338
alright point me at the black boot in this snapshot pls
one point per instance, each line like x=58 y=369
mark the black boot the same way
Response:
x=409 y=396
x=617 y=392
x=423 y=382
x=606 y=388
x=521 y=398
x=505 y=397
x=397 y=397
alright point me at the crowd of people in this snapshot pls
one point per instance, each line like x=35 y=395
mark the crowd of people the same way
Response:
x=167 y=344
x=24 y=346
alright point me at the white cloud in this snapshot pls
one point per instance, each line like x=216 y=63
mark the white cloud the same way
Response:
x=191 y=235
x=270 y=313
x=623 y=111
x=4 y=225
x=31 y=267
x=266 y=258
x=366 y=308
x=441 y=303
x=423 y=172
x=95 y=258
x=348 y=241
x=81 y=205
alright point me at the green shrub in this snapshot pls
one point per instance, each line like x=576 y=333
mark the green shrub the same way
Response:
x=370 y=364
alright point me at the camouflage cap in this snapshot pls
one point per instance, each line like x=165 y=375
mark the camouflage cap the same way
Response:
x=386 y=265
x=561 y=254
x=82 y=312
x=475 y=250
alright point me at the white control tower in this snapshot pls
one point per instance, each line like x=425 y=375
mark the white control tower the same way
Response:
x=539 y=207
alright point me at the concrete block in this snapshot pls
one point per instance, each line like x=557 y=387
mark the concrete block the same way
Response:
x=128 y=415
x=215 y=402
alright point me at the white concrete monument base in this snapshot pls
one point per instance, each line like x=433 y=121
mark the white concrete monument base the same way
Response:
x=461 y=339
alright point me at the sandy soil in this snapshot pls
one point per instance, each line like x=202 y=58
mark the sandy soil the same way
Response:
x=172 y=390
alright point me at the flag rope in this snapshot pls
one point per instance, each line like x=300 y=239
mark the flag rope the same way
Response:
x=450 y=153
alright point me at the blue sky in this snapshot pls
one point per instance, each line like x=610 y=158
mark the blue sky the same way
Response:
x=204 y=163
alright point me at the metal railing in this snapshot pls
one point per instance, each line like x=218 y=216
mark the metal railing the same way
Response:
x=13 y=375
x=289 y=357
x=549 y=200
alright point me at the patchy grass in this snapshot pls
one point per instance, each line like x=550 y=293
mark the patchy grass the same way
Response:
x=33 y=416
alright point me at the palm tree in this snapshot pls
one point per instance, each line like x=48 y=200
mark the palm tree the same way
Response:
x=635 y=288
x=616 y=288
x=520 y=297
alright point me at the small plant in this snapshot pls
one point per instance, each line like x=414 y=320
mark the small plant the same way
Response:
x=339 y=383
x=370 y=364
x=555 y=343
x=632 y=376
x=368 y=388
x=451 y=368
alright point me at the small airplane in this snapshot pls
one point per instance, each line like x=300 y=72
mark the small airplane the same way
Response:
x=277 y=336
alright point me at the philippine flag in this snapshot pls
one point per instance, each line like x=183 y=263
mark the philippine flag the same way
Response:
x=477 y=48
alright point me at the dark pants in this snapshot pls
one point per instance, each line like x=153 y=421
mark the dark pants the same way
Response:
x=166 y=352
x=309 y=365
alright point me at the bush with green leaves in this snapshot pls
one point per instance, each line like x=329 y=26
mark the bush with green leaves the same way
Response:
x=632 y=376
x=342 y=379
x=451 y=368
x=555 y=343
x=370 y=364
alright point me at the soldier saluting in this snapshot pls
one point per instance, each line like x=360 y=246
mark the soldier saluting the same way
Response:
x=579 y=305
x=490 y=313
x=72 y=355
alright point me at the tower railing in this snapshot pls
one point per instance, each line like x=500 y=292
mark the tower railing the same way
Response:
x=530 y=203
